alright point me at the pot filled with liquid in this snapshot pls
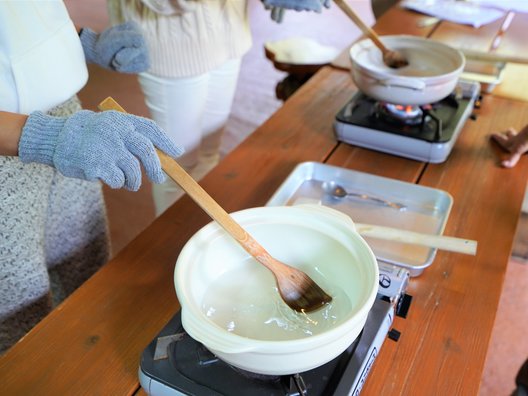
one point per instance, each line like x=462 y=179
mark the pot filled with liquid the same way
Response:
x=431 y=75
x=230 y=303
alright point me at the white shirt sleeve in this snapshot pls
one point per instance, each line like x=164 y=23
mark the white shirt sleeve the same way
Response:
x=41 y=58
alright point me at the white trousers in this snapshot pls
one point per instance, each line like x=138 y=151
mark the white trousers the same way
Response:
x=193 y=111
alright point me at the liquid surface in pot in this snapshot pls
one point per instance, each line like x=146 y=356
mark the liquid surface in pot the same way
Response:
x=422 y=63
x=245 y=301
x=427 y=58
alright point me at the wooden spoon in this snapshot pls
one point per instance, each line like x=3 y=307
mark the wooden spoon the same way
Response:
x=296 y=288
x=391 y=58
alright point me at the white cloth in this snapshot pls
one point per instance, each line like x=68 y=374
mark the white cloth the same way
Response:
x=463 y=12
x=37 y=32
x=193 y=112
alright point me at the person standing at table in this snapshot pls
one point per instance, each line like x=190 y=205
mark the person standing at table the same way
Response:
x=53 y=229
x=196 y=48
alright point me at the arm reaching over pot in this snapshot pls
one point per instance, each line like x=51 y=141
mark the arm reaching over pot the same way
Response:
x=278 y=7
x=514 y=143
x=107 y=146
x=120 y=48
x=391 y=58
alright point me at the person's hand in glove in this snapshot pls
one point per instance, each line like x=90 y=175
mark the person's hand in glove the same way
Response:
x=278 y=6
x=108 y=146
x=121 y=48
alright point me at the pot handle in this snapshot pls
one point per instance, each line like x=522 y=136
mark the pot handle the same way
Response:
x=411 y=83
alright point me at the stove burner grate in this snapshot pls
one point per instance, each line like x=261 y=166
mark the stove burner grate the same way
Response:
x=400 y=114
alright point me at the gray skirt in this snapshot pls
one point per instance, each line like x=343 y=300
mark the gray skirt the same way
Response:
x=53 y=236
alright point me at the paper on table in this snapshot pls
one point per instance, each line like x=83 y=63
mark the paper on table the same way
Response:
x=507 y=5
x=462 y=12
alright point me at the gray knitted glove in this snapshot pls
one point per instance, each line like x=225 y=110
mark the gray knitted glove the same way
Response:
x=87 y=145
x=121 y=48
x=278 y=6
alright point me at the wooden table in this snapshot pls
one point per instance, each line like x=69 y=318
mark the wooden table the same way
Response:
x=91 y=344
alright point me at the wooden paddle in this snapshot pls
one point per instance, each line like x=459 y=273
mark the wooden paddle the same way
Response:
x=391 y=58
x=296 y=288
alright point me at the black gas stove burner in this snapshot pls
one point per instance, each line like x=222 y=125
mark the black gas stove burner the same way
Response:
x=400 y=114
x=194 y=370
x=434 y=122
x=191 y=369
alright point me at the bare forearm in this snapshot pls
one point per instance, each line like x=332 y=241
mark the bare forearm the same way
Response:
x=10 y=131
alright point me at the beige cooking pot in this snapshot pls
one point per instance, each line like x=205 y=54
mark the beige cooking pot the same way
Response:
x=231 y=305
x=432 y=73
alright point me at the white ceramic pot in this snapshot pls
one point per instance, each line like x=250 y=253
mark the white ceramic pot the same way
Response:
x=432 y=73
x=225 y=294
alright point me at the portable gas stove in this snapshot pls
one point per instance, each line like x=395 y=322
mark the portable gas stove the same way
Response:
x=175 y=364
x=424 y=133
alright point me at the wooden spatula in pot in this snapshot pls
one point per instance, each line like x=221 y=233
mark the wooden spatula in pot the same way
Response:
x=391 y=58
x=296 y=288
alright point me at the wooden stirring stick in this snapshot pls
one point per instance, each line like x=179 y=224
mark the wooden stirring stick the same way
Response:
x=493 y=57
x=451 y=244
x=296 y=288
x=391 y=58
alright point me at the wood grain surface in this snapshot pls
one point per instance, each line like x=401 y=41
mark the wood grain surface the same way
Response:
x=91 y=344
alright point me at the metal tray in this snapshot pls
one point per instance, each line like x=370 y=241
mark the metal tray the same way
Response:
x=427 y=209
x=488 y=74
